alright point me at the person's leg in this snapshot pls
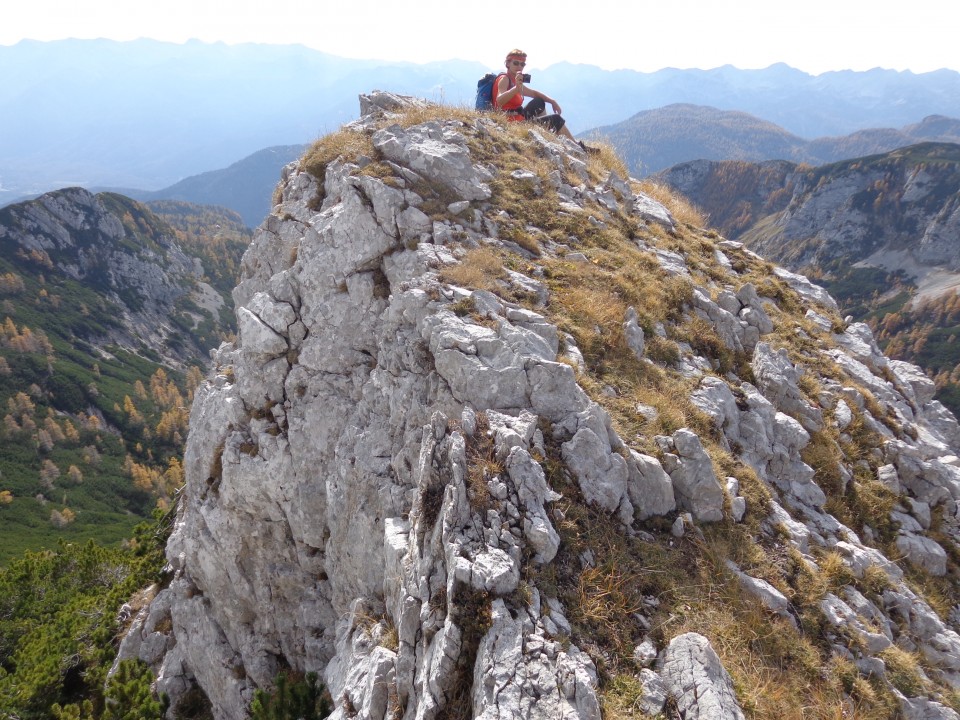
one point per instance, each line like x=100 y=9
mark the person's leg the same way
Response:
x=556 y=123
x=558 y=126
x=533 y=109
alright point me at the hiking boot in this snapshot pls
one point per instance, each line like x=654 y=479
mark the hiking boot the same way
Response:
x=588 y=149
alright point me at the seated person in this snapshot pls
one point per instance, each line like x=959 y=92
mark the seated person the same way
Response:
x=509 y=90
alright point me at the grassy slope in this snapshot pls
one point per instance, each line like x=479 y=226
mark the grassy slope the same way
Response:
x=72 y=378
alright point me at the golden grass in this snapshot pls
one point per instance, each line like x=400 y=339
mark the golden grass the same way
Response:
x=606 y=160
x=903 y=671
x=343 y=143
x=435 y=112
x=777 y=670
x=479 y=270
x=824 y=455
x=683 y=211
x=834 y=573
x=875 y=582
x=596 y=313
x=939 y=592
x=674 y=409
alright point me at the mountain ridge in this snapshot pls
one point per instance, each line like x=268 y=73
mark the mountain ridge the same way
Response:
x=503 y=434
x=88 y=238
x=922 y=174
x=246 y=186
x=178 y=96
x=108 y=310
x=654 y=140
x=877 y=231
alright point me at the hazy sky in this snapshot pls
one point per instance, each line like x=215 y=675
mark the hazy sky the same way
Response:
x=815 y=35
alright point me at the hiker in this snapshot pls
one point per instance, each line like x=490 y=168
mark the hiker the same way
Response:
x=509 y=90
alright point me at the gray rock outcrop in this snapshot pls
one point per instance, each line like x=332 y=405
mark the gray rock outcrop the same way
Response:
x=698 y=682
x=379 y=468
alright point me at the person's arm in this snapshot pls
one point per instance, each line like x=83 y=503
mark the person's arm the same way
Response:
x=530 y=92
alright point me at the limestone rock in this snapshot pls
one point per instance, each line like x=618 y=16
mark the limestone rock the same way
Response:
x=694 y=481
x=655 y=692
x=375 y=465
x=633 y=333
x=512 y=682
x=649 y=487
x=771 y=598
x=778 y=378
x=698 y=682
x=841 y=615
x=434 y=152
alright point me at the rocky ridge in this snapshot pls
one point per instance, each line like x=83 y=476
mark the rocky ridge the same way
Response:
x=114 y=246
x=423 y=450
x=897 y=210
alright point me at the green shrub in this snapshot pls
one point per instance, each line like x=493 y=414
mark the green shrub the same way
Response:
x=303 y=699
x=58 y=622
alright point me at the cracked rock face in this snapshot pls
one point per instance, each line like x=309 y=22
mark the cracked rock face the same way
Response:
x=697 y=681
x=367 y=489
x=339 y=428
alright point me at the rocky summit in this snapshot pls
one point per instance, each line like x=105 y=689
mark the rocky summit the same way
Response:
x=507 y=434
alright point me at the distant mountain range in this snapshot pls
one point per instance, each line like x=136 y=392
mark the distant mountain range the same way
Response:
x=245 y=187
x=906 y=201
x=654 y=140
x=145 y=114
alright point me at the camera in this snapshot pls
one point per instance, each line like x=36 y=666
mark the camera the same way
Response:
x=525 y=77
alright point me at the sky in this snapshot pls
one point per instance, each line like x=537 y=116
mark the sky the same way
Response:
x=815 y=36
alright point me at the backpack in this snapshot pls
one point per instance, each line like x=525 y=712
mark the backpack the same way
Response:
x=485 y=91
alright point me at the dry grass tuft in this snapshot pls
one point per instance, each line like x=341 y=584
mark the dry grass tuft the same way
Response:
x=606 y=160
x=482 y=464
x=605 y=596
x=939 y=592
x=834 y=575
x=903 y=671
x=479 y=270
x=595 y=315
x=823 y=454
x=875 y=582
x=683 y=211
x=434 y=112
x=674 y=410
x=343 y=143
x=858 y=698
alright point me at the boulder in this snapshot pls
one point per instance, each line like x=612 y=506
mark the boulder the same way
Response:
x=697 y=681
